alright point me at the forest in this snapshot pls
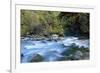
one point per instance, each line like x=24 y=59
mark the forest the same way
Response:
x=46 y=23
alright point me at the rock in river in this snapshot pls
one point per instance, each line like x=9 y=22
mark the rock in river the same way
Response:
x=36 y=58
x=78 y=55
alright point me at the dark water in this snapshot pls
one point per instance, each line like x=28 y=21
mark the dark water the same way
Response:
x=50 y=50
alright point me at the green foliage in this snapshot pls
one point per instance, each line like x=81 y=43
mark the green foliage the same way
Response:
x=75 y=23
x=45 y=23
x=84 y=20
x=24 y=30
x=40 y=23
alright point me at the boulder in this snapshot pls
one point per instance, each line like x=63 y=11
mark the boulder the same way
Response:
x=36 y=58
x=54 y=36
x=78 y=55
x=22 y=55
x=86 y=56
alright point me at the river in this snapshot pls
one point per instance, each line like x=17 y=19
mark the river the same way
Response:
x=49 y=50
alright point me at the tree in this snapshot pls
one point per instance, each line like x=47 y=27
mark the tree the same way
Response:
x=46 y=23
x=75 y=24
x=40 y=22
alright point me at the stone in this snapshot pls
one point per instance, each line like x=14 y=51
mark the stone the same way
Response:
x=22 y=55
x=86 y=56
x=36 y=58
x=54 y=36
x=78 y=55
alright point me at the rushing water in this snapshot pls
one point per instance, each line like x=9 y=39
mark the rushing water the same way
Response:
x=50 y=50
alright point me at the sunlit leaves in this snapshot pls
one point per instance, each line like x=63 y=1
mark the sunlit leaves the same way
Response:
x=35 y=22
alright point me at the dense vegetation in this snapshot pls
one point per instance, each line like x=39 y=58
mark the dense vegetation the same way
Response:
x=46 y=23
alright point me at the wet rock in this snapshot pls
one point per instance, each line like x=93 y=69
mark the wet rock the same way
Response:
x=86 y=56
x=54 y=36
x=70 y=50
x=61 y=38
x=73 y=53
x=74 y=56
x=44 y=41
x=22 y=55
x=36 y=58
x=62 y=59
x=73 y=45
x=78 y=55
